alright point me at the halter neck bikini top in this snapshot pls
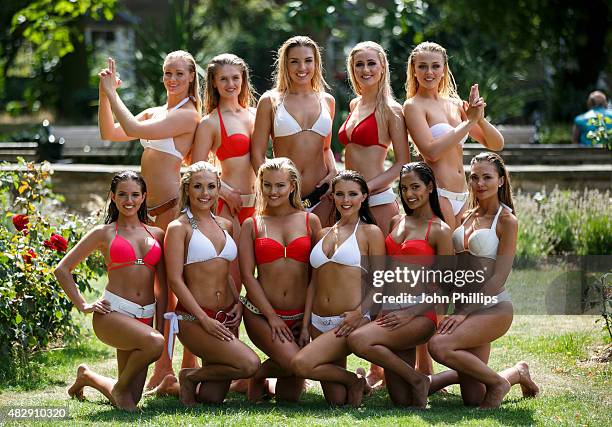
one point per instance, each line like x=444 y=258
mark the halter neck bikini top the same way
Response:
x=269 y=250
x=347 y=253
x=414 y=247
x=201 y=249
x=440 y=129
x=365 y=133
x=122 y=252
x=165 y=145
x=286 y=125
x=234 y=145
x=482 y=242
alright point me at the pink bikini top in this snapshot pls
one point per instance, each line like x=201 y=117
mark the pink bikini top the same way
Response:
x=122 y=253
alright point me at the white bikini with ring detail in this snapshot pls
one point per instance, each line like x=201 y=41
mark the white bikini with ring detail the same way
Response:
x=165 y=145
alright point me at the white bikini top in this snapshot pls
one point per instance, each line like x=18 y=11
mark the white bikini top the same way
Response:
x=440 y=129
x=347 y=253
x=165 y=145
x=201 y=249
x=286 y=125
x=482 y=242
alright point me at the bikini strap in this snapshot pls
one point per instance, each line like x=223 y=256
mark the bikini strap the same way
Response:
x=180 y=104
x=397 y=223
x=223 y=131
x=494 y=225
x=116 y=228
x=429 y=228
x=147 y=230
x=356 y=226
x=191 y=219
x=307 y=224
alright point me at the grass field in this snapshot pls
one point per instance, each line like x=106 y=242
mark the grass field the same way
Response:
x=574 y=390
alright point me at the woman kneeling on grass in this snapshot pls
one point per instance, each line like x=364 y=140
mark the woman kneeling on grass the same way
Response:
x=333 y=308
x=390 y=341
x=485 y=241
x=200 y=251
x=123 y=317
x=277 y=242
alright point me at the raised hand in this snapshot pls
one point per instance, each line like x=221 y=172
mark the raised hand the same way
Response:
x=109 y=78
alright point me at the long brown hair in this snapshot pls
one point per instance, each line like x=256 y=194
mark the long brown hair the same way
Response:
x=281 y=74
x=447 y=87
x=504 y=192
x=365 y=214
x=112 y=212
x=246 y=96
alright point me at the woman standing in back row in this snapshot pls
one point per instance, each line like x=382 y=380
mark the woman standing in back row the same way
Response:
x=166 y=133
x=298 y=115
x=439 y=124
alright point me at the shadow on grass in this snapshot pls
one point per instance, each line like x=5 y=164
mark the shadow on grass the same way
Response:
x=312 y=409
x=52 y=367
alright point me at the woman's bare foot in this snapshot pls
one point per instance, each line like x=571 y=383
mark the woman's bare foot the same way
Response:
x=420 y=391
x=168 y=387
x=76 y=389
x=257 y=389
x=528 y=387
x=495 y=394
x=354 y=394
x=123 y=399
x=187 y=393
x=159 y=373
x=376 y=377
x=367 y=390
x=240 y=386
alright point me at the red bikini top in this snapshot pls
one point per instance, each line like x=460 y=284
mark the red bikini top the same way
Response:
x=365 y=133
x=415 y=247
x=122 y=253
x=268 y=250
x=235 y=145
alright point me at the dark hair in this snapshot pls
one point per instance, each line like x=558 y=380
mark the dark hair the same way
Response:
x=426 y=175
x=504 y=192
x=112 y=213
x=364 y=211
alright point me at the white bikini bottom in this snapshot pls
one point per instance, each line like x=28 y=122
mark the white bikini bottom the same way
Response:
x=383 y=198
x=457 y=200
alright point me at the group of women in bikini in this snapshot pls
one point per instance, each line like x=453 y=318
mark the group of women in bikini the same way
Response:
x=297 y=234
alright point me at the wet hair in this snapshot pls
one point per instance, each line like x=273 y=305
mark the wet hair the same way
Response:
x=597 y=99
x=246 y=96
x=364 y=210
x=504 y=193
x=447 y=86
x=194 y=86
x=425 y=174
x=112 y=212
x=186 y=180
x=276 y=164
x=281 y=73
x=384 y=97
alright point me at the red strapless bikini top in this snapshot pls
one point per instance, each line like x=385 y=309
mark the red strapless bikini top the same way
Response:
x=365 y=133
x=268 y=250
x=235 y=145
x=122 y=253
x=415 y=247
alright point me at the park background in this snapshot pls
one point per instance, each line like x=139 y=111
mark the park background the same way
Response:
x=535 y=62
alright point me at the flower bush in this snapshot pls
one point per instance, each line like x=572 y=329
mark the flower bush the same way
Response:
x=34 y=235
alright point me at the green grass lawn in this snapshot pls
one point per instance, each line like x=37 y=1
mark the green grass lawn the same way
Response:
x=574 y=391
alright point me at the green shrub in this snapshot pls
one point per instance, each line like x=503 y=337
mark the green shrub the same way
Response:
x=564 y=222
x=34 y=234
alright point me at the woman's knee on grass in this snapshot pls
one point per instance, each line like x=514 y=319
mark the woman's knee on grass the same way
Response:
x=359 y=341
x=302 y=365
x=248 y=365
x=439 y=348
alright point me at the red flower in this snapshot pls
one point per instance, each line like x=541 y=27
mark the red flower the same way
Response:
x=21 y=222
x=27 y=257
x=56 y=242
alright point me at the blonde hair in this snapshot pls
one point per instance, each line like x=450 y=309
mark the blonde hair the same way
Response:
x=447 y=87
x=504 y=193
x=194 y=86
x=384 y=95
x=200 y=166
x=246 y=96
x=276 y=164
x=281 y=74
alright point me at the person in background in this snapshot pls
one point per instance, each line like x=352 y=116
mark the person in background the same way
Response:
x=598 y=115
